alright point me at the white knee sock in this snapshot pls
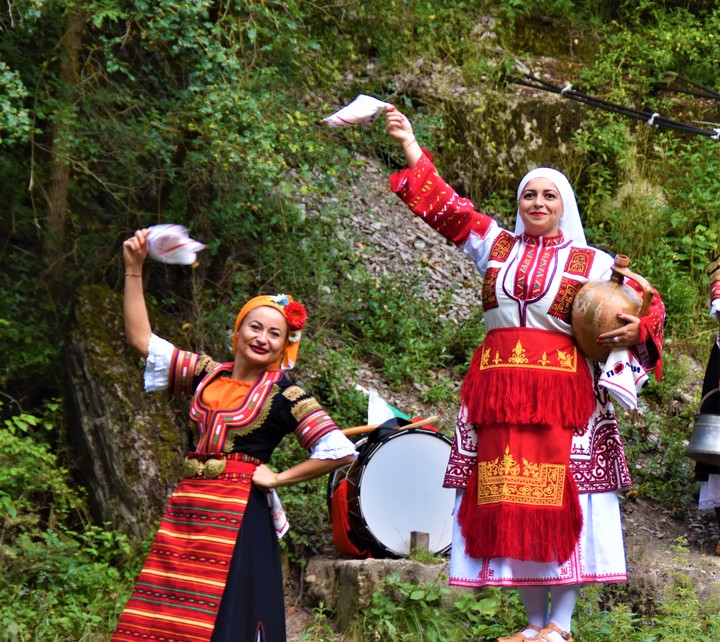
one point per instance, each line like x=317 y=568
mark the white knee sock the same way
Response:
x=535 y=601
x=562 y=604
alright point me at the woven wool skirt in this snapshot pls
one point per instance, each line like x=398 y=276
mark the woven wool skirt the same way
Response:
x=214 y=571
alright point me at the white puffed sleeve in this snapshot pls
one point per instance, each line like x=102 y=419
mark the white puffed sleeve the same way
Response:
x=715 y=307
x=478 y=247
x=157 y=364
x=333 y=445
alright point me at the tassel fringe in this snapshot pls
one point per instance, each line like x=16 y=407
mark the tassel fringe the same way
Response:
x=521 y=532
x=527 y=396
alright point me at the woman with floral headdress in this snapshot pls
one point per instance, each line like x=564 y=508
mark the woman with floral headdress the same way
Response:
x=537 y=457
x=213 y=572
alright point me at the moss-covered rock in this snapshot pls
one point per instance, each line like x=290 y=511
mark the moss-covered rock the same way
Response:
x=129 y=444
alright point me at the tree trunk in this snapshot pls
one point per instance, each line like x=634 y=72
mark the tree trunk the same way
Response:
x=59 y=176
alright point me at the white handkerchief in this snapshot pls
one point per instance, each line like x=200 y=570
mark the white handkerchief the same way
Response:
x=171 y=243
x=623 y=376
x=363 y=111
x=282 y=526
x=714 y=307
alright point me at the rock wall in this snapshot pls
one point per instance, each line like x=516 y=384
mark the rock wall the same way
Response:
x=491 y=137
x=128 y=444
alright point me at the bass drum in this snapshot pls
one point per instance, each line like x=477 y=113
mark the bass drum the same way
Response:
x=393 y=488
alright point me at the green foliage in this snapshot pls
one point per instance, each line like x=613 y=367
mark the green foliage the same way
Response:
x=305 y=506
x=678 y=616
x=60 y=575
x=15 y=121
x=405 y=340
x=406 y=611
x=319 y=629
x=655 y=447
x=332 y=376
x=34 y=489
x=422 y=556
x=62 y=584
x=397 y=29
x=27 y=317
x=204 y=114
x=511 y=11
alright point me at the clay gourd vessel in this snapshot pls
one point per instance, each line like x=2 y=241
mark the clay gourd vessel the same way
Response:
x=598 y=303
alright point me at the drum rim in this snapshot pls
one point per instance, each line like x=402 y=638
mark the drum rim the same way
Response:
x=374 y=541
x=360 y=464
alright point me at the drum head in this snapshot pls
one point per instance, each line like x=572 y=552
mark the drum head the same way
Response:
x=400 y=490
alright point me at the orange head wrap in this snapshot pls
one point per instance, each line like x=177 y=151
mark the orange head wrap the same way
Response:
x=294 y=314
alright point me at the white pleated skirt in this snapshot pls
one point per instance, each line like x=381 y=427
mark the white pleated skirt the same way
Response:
x=709 y=493
x=599 y=555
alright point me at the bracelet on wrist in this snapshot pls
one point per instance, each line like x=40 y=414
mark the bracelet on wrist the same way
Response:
x=133 y=274
x=406 y=145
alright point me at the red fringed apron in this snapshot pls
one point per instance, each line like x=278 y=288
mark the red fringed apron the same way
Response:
x=526 y=390
x=178 y=593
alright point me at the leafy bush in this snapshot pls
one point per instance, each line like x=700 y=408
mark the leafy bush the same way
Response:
x=62 y=577
x=404 y=611
x=678 y=616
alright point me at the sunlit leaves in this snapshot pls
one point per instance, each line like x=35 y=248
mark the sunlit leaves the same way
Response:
x=15 y=117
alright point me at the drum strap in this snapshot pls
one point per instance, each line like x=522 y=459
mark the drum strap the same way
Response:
x=341 y=527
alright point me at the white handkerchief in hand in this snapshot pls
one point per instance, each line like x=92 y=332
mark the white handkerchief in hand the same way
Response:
x=170 y=243
x=282 y=526
x=623 y=376
x=363 y=111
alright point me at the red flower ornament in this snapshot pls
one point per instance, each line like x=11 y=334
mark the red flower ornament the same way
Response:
x=296 y=315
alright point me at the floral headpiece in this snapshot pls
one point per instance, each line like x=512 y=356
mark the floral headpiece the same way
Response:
x=295 y=315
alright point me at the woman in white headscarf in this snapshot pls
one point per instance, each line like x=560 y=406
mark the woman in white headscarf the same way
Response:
x=537 y=458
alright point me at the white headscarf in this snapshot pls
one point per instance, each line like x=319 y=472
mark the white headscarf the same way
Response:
x=570 y=224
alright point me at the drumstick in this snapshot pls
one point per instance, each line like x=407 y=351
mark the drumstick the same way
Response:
x=357 y=430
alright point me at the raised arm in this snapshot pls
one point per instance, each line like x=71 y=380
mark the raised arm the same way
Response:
x=137 y=321
x=426 y=193
x=399 y=127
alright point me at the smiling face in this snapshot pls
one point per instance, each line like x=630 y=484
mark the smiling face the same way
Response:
x=540 y=207
x=261 y=337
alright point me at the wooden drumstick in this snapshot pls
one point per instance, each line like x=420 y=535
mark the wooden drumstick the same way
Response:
x=358 y=430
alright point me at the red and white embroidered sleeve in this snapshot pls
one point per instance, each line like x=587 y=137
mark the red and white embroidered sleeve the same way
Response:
x=652 y=326
x=186 y=371
x=312 y=420
x=425 y=192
